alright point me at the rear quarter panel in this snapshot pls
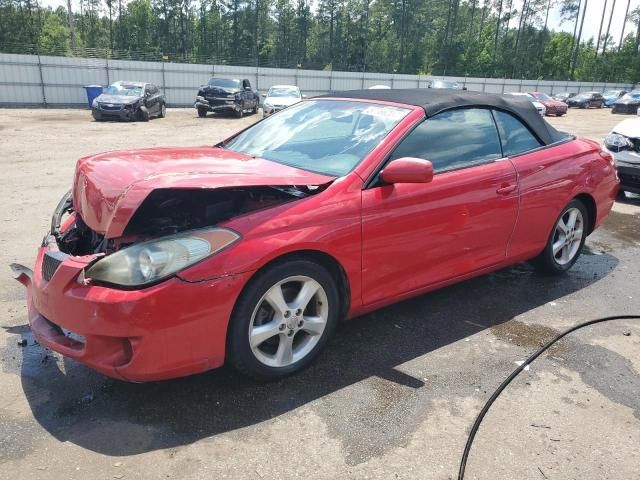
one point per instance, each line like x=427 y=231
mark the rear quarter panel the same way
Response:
x=548 y=180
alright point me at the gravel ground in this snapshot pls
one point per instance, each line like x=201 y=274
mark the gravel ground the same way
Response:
x=392 y=397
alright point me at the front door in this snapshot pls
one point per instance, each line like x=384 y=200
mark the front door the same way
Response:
x=416 y=235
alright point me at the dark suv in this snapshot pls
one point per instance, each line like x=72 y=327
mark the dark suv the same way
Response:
x=227 y=95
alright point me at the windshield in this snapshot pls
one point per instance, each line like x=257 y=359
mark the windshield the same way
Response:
x=542 y=96
x=284 y=92
x=582 y=96
x=329 y=137
x=224 y=83
x=443 y=84
x=611 y=93
x=632 y=96
x=123 y=89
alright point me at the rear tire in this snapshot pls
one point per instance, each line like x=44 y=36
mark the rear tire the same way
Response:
x=163 y=111
x=565 y=241
x=270 y=339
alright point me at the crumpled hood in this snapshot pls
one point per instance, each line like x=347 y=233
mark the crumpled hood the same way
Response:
x=108 y=188
x=628 y=101
x=117 y=99
x=218 y=91
x=629 y=128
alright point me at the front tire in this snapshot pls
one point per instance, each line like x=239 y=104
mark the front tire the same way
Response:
x=282 y=320
x=566 y=240
x=240 y=113
x=143 y=114
x=202 y=112
x=163 y=110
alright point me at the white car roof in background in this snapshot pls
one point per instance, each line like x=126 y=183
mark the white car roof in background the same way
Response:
x=283 y=86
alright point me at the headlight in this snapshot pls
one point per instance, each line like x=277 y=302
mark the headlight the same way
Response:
x=616 y=142
x=94 y=104
x=267 y=106
x=154 y=260
x=200 y=98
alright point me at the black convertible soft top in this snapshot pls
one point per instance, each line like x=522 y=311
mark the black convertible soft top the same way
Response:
x=437 y=100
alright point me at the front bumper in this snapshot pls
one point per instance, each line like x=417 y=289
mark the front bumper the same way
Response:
x=122 y=114
x=169 y=330
x=629 y=177
x=218 y=105
x=628 y=108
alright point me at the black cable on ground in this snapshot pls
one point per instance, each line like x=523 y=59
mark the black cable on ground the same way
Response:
x=515 y=373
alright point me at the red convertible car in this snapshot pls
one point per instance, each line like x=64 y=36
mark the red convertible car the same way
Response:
x=166 y=262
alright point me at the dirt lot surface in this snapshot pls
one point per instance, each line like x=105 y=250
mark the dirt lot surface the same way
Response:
x=392 y=397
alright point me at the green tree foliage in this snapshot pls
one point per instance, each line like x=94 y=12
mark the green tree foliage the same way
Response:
x=497 y=38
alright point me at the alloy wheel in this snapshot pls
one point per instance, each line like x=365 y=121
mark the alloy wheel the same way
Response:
x=567 y=236
x=288 y=321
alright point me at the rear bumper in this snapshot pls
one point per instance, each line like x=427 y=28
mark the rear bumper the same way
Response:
x=169 y=330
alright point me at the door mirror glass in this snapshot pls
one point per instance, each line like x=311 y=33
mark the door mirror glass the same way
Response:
x=407 y=170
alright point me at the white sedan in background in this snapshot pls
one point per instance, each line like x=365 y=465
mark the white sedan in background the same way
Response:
x=542 y=110
x=280 y=97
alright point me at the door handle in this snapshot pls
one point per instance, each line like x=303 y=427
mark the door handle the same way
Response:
x=506 y=189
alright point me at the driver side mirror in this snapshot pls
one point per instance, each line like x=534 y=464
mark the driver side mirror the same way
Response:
x=407 y=170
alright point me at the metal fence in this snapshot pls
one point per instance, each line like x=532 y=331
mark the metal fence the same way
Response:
x=38 y=80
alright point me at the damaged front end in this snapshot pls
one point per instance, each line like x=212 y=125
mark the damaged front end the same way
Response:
x=171 y=230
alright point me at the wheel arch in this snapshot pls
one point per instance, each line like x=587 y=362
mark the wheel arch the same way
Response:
x=592 y=210
x=329 y=262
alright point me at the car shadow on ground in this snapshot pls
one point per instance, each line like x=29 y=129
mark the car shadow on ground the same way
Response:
x=75 y=404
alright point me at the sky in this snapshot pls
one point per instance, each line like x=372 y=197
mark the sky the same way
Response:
x=591 y=22
x=594 y=17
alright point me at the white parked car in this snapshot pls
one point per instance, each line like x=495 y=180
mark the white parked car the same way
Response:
x=280 y=97
x=624 y=144
x=542 y=110
x=379 y=87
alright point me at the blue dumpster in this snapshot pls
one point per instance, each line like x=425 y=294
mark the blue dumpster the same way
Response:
x=92 y=92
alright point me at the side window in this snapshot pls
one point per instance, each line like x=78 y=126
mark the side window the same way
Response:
x=516 y=138
x=453 y=139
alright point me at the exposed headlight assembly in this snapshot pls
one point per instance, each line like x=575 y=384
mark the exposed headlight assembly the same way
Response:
x=149 y=262
x=616 y=142
x=267 y=106
x=200 y=98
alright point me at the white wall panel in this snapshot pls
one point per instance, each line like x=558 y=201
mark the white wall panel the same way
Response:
x=64 y=77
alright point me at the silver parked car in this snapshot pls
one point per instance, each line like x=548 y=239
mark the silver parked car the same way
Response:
x=280 y=97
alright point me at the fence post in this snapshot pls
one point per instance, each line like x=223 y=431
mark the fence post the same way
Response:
x=164 y=82
x=331 y=79
x=106 y=68
x=44 y=96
